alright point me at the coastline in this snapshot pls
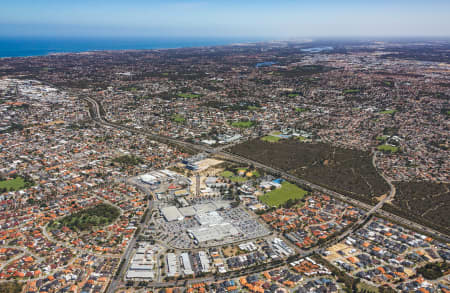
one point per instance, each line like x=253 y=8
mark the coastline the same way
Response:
x=40 y=47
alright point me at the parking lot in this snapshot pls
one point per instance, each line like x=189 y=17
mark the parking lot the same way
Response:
x=176 y=232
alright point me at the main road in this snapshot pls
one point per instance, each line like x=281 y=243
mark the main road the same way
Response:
x=96 y=115
x=219 y=152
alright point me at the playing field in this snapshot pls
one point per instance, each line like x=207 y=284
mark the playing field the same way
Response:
x=238 y=179
x=281 y=195
x=178 y=118
x=300 y=110
x=388 y=148
x=188 y=95
x=227 y=174
x=270 y=138
x=13 y=184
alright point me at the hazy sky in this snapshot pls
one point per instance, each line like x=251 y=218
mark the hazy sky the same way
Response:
x=225 y=18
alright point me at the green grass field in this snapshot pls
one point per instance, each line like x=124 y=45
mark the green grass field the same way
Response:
x=382 y=137
x=388 y=111
x=302 y=138
x=253 y=108
x=15 y=184
x=188 y=95
x=271 y=138
x=293 y=95
x=243 y=124
x=388 y=148
x=281 y=195
x=300 y=110
x=178 y=118
x=238 y=179
x=227 y=174
x=351 y=91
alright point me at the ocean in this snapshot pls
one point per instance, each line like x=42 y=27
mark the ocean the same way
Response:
x=23 y=47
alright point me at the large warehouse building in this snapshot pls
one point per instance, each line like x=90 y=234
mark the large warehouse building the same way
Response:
x=171 y=213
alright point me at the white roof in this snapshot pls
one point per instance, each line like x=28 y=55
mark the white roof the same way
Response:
x=216 y=232
x=204 y=261
x=205 y=207
x=140 y=274
x=186 y=264
x=171 y=264
x=211 y=218
x=187 y=211
x=147 y=178
x=171 y=213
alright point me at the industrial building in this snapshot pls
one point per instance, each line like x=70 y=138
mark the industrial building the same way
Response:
x=186 y=264
x=172 y=269
x=143 y=264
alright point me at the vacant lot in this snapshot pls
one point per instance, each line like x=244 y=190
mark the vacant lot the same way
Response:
x=232 y=175
x=11 y=287
x=432 y=271
x=281 y=195
x=424 y=202
x=346 y=171
x=231 y=251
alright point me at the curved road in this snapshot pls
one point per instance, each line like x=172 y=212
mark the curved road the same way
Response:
x=97 y=117
x=235 y=158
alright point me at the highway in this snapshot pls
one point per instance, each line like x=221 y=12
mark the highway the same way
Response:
x=221 y=153
x=126 y=256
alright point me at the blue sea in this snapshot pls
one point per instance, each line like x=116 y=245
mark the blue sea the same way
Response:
x=21 y=47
